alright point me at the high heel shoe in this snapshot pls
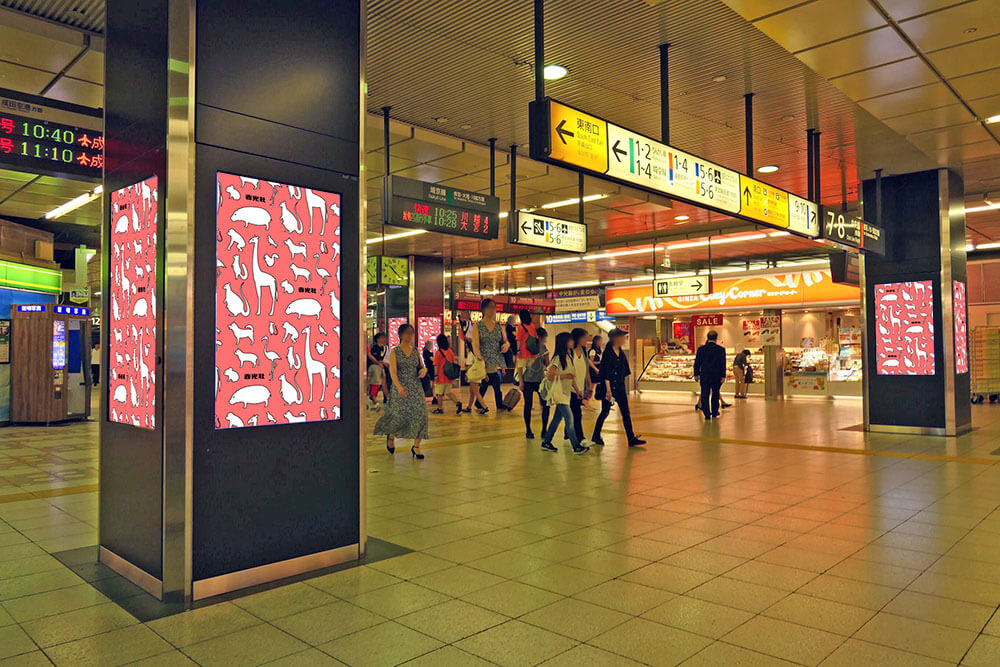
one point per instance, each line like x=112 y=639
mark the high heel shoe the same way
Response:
x=390 y=445
x=415 y=454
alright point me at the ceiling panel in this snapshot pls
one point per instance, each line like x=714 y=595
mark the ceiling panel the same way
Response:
x=18 y=77
x=980 y=84
x=903 y=9
x=819 y=22
x=77 y=92
x=987 y=107
x=967 y=58
x=954 y=114
x=910 y=101
x=31 y=50
x=754 y=9
x=958 y=24
x=900 y=75
x=89 y=68
x=957 y=135
x=857 y=53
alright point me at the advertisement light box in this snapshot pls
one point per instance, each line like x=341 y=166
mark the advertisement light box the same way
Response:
x=904 y=328
x=277 y=311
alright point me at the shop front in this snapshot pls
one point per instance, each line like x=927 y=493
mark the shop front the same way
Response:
x=813 y=324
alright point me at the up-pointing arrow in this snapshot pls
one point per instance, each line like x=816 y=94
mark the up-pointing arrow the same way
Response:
x=746 y=193
x=562 y=132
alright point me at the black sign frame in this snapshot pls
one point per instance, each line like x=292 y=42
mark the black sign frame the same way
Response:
x=443 y=204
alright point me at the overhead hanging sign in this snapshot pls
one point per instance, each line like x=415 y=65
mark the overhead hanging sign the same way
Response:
x=544 y=232
x=682 y=286
x=438 y=208
x=568 y=136
x=49 y=137
x=845 y=267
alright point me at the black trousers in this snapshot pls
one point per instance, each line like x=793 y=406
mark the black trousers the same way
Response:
x=620 y=395
x=576 y=407
x=530 y=389
x=710 y=397
x=492 y=379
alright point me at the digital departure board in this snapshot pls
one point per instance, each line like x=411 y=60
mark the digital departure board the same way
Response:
x=41 y=136
x=436 y=208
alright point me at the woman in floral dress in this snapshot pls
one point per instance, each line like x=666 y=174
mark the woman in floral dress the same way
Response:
x=405 y=415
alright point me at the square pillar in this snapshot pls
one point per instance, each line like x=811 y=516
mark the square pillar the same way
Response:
x=916 y=373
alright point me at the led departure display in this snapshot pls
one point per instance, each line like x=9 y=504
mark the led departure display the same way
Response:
x=436 y=208
x=904 y=322
x=277 y=308
x=47 y=147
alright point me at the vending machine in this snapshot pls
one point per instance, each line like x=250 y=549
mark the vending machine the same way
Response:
x=50 y=372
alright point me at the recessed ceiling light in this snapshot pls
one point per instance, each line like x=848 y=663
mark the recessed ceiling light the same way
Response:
x=553 y=72
x=440 y=119
x=768 y=168
x=993 y=119
x=720 y=78
x=969 y=31
x=465 y=126
x=788 y=116
x=682 y=218
x=539 y=277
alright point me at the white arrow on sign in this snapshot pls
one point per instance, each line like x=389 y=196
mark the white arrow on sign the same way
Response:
x=682 y=286
x=546 y=232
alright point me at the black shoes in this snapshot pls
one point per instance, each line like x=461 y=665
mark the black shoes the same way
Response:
x=459 y=410
x=549 y=447
x=415 y=454
x=636 y=442
x=529 y=435
x=597 y=441
x=390 y=446
x=580 y=449
x=438 y=411
x=483 y=410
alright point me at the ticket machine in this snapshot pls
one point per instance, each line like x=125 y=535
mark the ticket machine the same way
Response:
x=50 y=373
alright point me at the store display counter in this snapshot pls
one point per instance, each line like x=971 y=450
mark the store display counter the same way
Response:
x=675 y=372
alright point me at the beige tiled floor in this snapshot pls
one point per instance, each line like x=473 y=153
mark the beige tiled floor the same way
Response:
x=777 y=535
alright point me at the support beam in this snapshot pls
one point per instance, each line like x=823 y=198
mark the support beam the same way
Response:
x=539 y=50
x=664 y=94
x=748 y=125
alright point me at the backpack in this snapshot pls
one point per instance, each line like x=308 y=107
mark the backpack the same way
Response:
x=451 y=370
x=531 y=343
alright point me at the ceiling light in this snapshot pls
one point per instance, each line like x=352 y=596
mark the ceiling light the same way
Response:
x=970 y=247
x=570 y=202
x=988 y=246
x=440 y=119
x=768 y=168
x=465 y=126
x=969 y=31
x=978 y=209
x=682 y=218
x=539 y=277
x=547 y=262
x=788 y=116
x=393 y=237
x=993 y=119
x=553 y=72
x=75 y=203
x=719 y=79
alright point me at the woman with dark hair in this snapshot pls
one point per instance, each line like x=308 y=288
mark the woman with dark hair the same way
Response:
x=594 y=359
x=580 y=377
x=405 y=415
x=532 y=376
x=527 y=340
x=376 y=370
x=489 y=343
x=560 y=383
x=444 y=385
x=613 y=389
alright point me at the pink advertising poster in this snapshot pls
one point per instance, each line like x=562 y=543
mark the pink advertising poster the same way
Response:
x=394 y=324
x=904 y=321
x=277 y=306
x=961 y=329
x=428 y=328
x=132 y=287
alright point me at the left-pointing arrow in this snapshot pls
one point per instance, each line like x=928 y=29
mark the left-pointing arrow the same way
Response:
x=618 y=151
x=562 y=132
x=525 y=227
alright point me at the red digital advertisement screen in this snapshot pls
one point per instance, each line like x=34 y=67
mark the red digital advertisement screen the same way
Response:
x=277 y=305
x=428 y=328
x=961 y=329
x=132 y=287
x=904 y=321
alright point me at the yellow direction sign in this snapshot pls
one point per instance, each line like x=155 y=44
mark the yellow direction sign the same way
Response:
x=578 y=138
x=760 y=201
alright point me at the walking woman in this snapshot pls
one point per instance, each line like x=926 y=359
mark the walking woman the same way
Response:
x=580 y=377
x=561 y=383
x=531 y=379
x=376 y=371
x=444 y=385
x=594 y=360
x=527 y=340
x=489 y=344
x=405 y=415
x=612 y=388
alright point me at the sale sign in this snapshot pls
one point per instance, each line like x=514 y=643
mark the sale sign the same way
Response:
x=277 y=310
x=706 y=320
x=904 y=323
x=132 y=287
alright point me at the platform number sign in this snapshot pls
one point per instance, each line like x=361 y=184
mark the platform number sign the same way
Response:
x=842 y=228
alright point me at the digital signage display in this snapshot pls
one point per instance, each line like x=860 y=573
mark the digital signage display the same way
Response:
x=277 y=306
x=437 y=208
x=132 y=298
x=961 y=328
x=58 y=344
x=904 y=328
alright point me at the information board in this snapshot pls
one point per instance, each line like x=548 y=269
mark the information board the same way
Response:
x=571 y=137
x=552 y=233
x=842 y=228
x=437 y=208
x=277 y=304
x=45 y=137
x=132 y=337
x=682 y=286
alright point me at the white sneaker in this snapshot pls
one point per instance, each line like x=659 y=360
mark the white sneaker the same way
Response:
x=586 y=442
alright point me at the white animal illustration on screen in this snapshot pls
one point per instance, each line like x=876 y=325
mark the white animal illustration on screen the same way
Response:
x=252 y=421
x=240 y=334
x=335 y=372
x=336 y=249
x=334 y=305
x=294 y=360
x=231 y=375
x=136 y=225
x=234 y=421
x=270 y=418
x=239 y=269
x=232 y=192
x=246 y=358
x=254 y=393
x=321 y=347
x=291 y=419
x=141 y=308
x=121 y=394
x=252 y=215
x=293 y=249
x=271 y=356
x=307 y=307
x=287 y=287
x=262 y=279
x=219 y=266
x=289 y=220
x=271 y=242
x=290 y=393
x=294 y=192
x=323 y=331
x=313 y=366
x=314 y=201
x=271 y=328
x=236 y=304
x=274 y=190
x=121 y=226
x=235 y=238
x=300 y=272
x=255 y=182
x=323 y=273
x=269 y=259
x=290 y=332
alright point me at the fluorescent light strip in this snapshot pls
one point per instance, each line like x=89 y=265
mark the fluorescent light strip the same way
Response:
x=548 y=262
x=988 y=246
x=393 y=237
x=74 y=203
x=979 y=209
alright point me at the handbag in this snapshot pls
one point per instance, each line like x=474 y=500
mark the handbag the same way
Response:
x=748 y=374
x=451 y=370
x=477 y=371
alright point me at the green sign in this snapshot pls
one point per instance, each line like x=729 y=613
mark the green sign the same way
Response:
x=34 y=278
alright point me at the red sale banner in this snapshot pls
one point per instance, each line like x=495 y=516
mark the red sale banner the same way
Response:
x=961 y=329
x=277 y=304
x=706 y=320
x=904 y=321
x=132 y=349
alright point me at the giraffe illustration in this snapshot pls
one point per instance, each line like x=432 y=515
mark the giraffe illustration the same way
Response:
x=313 y=366
x=261 y=278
